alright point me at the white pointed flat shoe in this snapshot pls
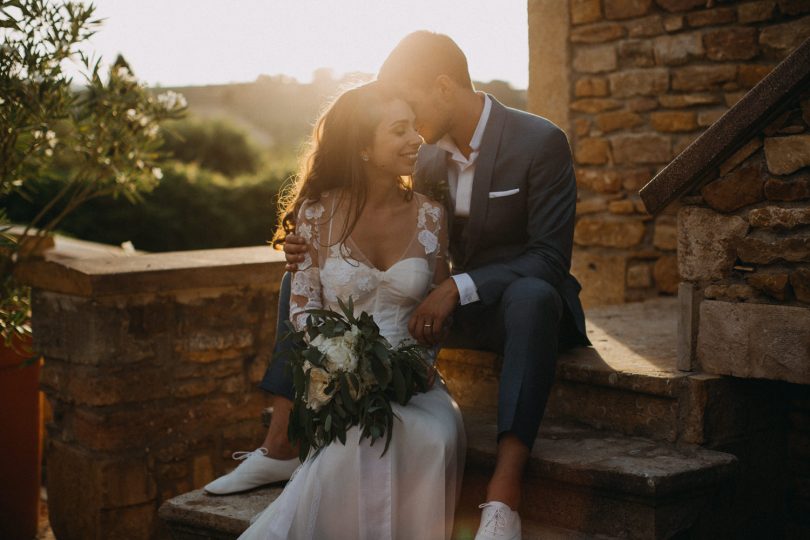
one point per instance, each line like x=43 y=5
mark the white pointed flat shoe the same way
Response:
x=255 y=470
x=498 y=522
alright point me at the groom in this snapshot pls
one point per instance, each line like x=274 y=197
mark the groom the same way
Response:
x=507 y=180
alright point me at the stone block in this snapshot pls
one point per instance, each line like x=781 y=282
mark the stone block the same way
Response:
x=597 y=33
x=86 y=332
x=636 y=53
x=645 y=27
x=785 y=37
x=642 y=104
x=748 y=75
x=688 y=318
x=622 y=207
x=678 y=49
x=758 y=11
x=635 y=179
x=665 y=273
x=680 y=101
x=626 y=9
x=594 y=105
x=731 y=98
x=698 y=78
x=639 y=276
x=639 y=82
x=592 y=151
x=772 y=283
x=595 y=59
x=674 y=121
x=706 y=242
x=641 y=148
x=591 y=205
x=785 y=155
x=707 y=118
x=710 y=17
x=612 y=121
x=674 y=6
x=791 y=189
x=732 y=292
x=602 y=277
x=582 y=126
x=765 y=247
x=82 y=485
x=743 y=153
x=665 y=235
x=673 y=23
x=731 y=44
x=739 y=188
x=608 y=232
x=800 y=280
x=761 y=341
x=130 y=522
x=591 y=87
x=599 y=180
x=585 y=11
x=775 y=217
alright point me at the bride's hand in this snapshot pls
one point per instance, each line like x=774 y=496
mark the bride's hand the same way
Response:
x=295 y=247
x=427 y=323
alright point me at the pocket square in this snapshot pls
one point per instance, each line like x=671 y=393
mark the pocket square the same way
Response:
x=496 y=194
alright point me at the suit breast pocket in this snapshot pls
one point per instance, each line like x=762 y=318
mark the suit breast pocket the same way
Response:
x=500 y=194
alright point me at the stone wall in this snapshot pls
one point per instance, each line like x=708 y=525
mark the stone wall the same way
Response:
x=151 y=367
x=645 y=79
x=744 y=252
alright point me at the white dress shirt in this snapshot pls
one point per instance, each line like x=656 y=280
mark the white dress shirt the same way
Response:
x=460 y=174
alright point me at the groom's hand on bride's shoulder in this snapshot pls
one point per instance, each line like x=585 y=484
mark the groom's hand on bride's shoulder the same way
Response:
x=294 y=249
x=427 y=324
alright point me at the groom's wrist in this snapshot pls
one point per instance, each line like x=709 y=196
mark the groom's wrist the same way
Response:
x=465 y=286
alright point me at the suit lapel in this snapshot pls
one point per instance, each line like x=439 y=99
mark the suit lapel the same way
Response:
x=482 y=181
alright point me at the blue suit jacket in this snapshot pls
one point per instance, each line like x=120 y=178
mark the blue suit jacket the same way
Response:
x=522 y=211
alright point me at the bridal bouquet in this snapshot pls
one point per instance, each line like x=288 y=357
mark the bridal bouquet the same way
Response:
x=345 y=374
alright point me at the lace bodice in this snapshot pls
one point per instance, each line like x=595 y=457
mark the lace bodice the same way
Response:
x=332 y=270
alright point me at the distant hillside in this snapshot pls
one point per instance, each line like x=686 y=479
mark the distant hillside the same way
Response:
x=278 y=111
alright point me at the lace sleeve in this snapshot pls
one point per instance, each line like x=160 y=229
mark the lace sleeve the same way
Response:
x=433 y=235
x=306 y=282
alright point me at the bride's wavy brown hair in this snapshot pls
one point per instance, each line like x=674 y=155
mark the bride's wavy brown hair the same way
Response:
x=333 y=161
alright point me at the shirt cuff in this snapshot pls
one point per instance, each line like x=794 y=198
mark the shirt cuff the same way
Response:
x=467 y=291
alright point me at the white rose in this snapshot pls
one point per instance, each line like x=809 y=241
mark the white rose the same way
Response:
x=339 y=353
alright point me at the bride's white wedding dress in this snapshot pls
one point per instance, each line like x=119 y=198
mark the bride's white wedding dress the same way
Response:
x=349 y=491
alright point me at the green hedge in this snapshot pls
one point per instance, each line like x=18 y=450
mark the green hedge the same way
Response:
x=192 y=208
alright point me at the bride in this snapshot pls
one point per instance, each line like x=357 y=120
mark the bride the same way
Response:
x=373 y=239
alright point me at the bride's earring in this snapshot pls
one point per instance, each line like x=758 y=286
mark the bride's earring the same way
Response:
x=364 y=156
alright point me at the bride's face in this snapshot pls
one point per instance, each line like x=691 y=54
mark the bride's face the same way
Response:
x=395 y=140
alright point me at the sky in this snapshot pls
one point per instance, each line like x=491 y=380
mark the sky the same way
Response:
x=197 y=42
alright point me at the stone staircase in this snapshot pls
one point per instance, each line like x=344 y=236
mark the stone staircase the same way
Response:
x=628 y=447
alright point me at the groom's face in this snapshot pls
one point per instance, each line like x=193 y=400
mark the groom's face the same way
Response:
x=432 y=115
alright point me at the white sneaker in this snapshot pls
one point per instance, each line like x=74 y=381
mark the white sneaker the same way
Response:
x=255 y=470
x=498 y=522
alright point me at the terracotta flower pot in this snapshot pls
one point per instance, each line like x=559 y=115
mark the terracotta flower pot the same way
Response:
x=20 y=445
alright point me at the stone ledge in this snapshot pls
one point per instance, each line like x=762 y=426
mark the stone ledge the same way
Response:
x=259 y=266
x=730 y=132
x=196 y=515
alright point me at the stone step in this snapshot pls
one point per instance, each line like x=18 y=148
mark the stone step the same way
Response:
x=581 y=483
x=599 y=482
x=627 y=382
x=197 y=516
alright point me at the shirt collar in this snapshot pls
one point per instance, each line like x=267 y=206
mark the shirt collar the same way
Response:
x=446 y=142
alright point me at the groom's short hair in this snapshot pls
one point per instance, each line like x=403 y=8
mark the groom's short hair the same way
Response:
x=422 y=56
